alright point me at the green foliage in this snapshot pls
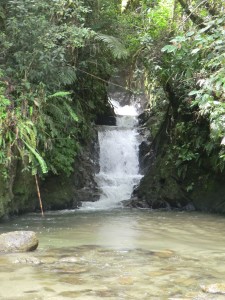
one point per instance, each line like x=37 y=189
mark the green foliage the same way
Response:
x=33 y=153
x=18 y=135
x=57 y=57
x=51 y=51
x=40 y=42
x=116 y=47
x=197 y=69
x=189 y=69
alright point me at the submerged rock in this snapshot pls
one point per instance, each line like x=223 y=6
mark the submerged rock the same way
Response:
x=164 y=253
x=69 y=259
x=18 y=241
x=216 y=288
x=27 y=260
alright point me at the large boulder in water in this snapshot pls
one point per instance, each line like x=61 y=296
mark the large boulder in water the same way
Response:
x=18 y=241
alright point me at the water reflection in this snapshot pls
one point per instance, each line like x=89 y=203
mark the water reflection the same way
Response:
x=123 y=236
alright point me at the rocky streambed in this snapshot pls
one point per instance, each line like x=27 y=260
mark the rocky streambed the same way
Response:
x=120 y=254
x=94 y=272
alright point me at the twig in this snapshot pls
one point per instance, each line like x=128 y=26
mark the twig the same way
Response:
x=39 y=195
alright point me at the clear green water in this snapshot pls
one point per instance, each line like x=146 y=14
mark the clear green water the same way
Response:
x=119 y=254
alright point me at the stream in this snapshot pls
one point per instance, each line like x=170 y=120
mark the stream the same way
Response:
x=116 y=254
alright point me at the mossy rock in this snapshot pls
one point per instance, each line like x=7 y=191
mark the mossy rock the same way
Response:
x=209 y=193
x=200 y=190
x=5 y=197
x=160 y=187
x=57 y=193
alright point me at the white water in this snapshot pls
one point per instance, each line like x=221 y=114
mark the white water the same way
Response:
x=119 y=166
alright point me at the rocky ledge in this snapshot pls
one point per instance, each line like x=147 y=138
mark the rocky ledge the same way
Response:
x=18 y=241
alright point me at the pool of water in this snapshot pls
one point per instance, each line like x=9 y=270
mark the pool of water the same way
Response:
x=117 y=254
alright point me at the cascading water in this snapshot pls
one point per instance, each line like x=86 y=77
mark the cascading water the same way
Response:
x=119 y=165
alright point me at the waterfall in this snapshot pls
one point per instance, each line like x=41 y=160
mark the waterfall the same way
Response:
x=118 y=159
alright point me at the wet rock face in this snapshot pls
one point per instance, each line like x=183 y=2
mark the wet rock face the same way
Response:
x=160 y=188
x=146 y=154
x=106 y=120
x=62 y=192
x=18 y=241
x=85 y=187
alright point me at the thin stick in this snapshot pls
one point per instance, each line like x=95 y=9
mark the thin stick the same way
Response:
x=103 y=80
x=193 y=12
x=39 y=195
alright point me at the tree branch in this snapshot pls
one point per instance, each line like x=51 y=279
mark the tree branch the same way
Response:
x=194 y=17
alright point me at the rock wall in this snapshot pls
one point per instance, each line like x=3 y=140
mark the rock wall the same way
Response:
x=62 y=192
x=16 y=191
x=5 y=198
x=161 y=187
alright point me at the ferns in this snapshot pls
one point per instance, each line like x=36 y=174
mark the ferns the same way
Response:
x=71 y=112
x=56 y=125
x=27 y=134
x=18 y=135
x=40 y=160
x=64 y=107
x=59 y=94
x=113 y=44
x=66 y=75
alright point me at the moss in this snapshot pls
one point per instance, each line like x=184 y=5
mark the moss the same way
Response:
x=160 y=187
x=57 y=193
x=209 y=193
x=23 y=190
x=5 y=197
x=15 y=192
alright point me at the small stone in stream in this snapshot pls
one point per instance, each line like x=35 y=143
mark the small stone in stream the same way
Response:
x=216 y=288
x=74 y=280
x=69 y=259
x=28 y=260
x=126 y=280
x=18 y=241
x=164 y=253
x=180 y=298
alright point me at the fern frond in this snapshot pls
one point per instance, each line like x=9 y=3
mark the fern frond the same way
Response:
x=59 y=94
x=66 y=75
x=2 y=14
x=50 y=125
x=56 y=112
x=40 y=160
x=71 y=112
x=28 y=131
x=113 y=44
